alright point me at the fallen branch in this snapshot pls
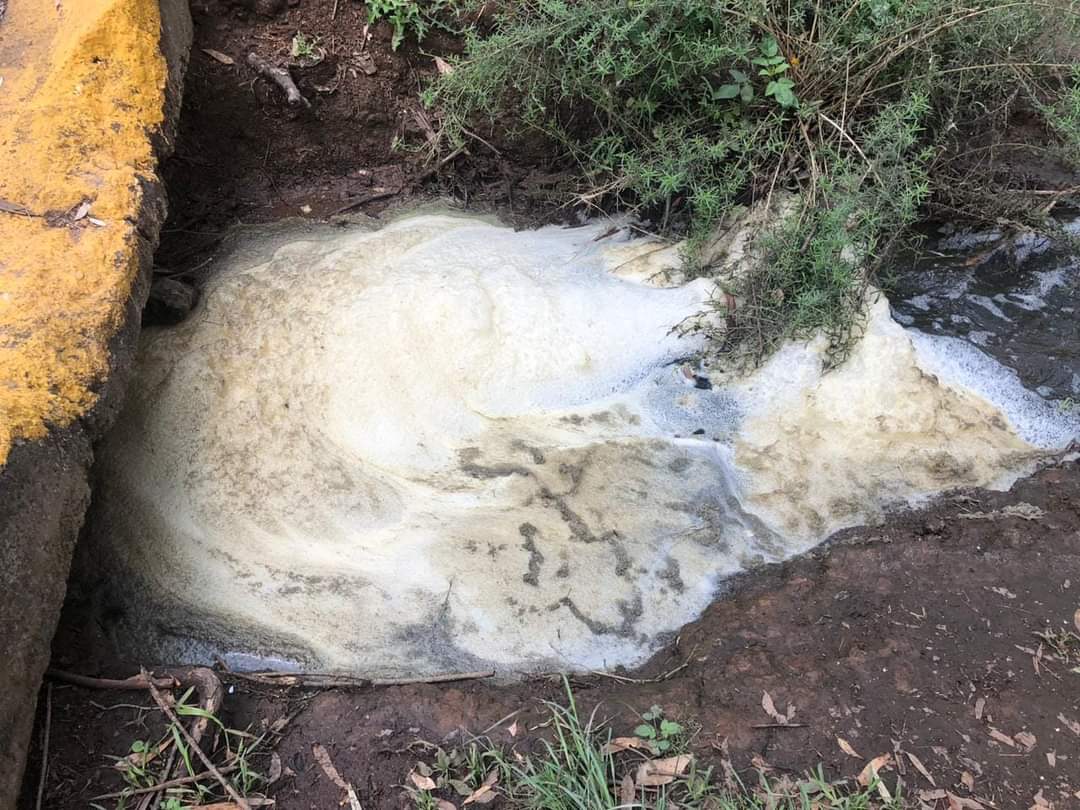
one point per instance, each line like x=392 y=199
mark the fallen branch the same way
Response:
x=240 y=801
x=314 y=680
x=203 y=679
x=178 y=782
x=279 y=76
x=356 y=203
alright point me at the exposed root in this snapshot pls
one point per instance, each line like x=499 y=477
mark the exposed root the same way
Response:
x=279 y=76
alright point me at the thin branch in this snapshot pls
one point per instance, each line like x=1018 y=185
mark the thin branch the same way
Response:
x=240 y=801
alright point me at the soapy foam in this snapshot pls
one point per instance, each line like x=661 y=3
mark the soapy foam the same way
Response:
x=445 y=445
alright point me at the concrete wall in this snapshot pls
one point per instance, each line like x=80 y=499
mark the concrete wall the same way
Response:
x=88 y=106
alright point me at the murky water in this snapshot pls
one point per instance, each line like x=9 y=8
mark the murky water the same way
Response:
x=1016 y=298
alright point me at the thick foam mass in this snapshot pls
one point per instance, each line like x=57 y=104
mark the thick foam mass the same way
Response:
x=444 y=444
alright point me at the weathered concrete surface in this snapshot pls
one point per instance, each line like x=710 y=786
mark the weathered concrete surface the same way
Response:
x=89 y=95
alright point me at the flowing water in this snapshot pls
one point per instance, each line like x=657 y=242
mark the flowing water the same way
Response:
x=444 y=445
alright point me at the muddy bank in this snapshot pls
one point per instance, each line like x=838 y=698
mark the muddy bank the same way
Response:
x=889 y=637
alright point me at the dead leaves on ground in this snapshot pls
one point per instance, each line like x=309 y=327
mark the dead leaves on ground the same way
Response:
x=769 y=707
x=1023 y=741
x=660 y=772
x=327 y=764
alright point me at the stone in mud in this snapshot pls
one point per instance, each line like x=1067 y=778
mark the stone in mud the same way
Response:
x=445 y=445
x=88 y=104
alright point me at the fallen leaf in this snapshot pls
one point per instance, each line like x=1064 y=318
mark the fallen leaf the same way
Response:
x=622 y=744
x=960 y=803
x=443 y=804
x=218 y=56
x=1004 y=739
x=1051 y=759
x=1004 y=592
x=658 y=772
x=327 y=764
x=980 y=704
x=273 y=773
x=1040 y=802
x=81 y=211
x=921 y=768
x=422 y=782
x=444 y=67
x=626 y=791
x=512 y=730
x=1071 y=725
x=1026 y=740
x=1076 y=618
x=932 y=795
x=96 y=222
x=770 y=709
x=484 y=793
x=845 y=746
x=873 y=767
x=967 y=780
x=14 y=208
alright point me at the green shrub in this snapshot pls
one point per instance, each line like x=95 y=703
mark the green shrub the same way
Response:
x=407 y=16
x=681 y=109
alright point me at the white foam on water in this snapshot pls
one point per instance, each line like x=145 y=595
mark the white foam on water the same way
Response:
x=444 y=445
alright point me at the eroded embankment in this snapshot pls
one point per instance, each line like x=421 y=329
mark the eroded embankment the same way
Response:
x=446 y=445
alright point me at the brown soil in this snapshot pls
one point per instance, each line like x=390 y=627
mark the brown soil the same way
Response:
x=244 y=155
x=889 y=637
x=892 y=638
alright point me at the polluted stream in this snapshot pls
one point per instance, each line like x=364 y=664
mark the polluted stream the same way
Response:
x=443 y=445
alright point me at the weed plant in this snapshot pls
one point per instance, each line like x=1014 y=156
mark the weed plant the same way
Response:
x=873 y=112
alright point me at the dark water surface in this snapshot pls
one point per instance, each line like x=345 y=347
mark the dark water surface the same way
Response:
x=1016 y=297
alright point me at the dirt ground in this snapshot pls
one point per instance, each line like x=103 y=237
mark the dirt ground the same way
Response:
x=921 y=637
x=244 y=155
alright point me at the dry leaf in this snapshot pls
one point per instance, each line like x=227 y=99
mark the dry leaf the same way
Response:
x=921 y=768
x=1040 y=802
x=512 y=730
x=1076 y=619
x=845 y=746
x=14 y=208
x=484 y=793
x=1051 y=759
x=1004 y=739
x=422 y=782
x=81 y=211
x=273 y=773
x=1026 y=739
x=1071 y=725
x=931 y=795
x=980 y=704
x=444 y=67
x=626 y=791
x=218 y=56
x=770 y=709
x=327 y=764
x=622 y=744
x=873 y=767
x=967 y=780
x=443 y=804
x=658 y=772
x=960 y=803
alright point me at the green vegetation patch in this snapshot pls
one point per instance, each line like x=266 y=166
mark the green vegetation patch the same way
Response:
x=581 y=766
x=866 y=111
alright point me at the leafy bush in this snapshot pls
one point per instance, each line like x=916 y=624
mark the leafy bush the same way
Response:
x=407 y=16
x=681 y=109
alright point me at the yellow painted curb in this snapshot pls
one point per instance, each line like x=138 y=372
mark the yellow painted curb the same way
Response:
x=83 y=89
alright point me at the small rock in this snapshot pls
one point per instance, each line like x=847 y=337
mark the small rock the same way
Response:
x=170 y=302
